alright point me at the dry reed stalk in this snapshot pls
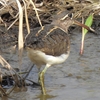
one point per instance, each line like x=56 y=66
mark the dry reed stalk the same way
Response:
x=26 y=17
x=4 y=63
x=20 y=34
x=36 y=12
x=12 y=23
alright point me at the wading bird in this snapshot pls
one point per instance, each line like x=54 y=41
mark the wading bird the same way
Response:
x=50 y=46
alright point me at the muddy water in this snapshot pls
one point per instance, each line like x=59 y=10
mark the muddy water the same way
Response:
x=95 y=1
x=76 y=79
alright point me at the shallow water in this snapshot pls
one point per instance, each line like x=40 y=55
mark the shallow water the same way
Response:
x=76 y=79
x=95 y=1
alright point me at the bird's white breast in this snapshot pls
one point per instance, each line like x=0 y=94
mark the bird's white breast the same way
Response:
x=40 y=57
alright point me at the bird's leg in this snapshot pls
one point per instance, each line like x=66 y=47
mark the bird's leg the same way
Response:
x=41 y=77
x=39 y=66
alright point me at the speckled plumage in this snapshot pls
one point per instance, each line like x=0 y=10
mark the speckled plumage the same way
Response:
x=55 y=43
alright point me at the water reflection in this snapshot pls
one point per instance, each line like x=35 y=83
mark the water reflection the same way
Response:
x=45 y=97
x=96 y=1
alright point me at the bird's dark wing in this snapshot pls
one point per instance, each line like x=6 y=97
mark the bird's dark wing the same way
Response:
x=50 y=41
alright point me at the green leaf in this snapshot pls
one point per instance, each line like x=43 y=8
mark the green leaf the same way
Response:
x=88 y=22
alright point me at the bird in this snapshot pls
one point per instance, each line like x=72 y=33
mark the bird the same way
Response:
x=49 y=46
